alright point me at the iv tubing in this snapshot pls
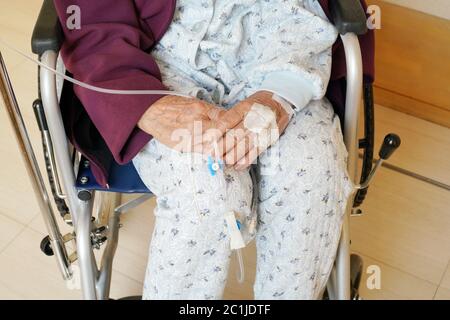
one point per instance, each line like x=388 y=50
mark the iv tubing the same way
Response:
x=91 y=87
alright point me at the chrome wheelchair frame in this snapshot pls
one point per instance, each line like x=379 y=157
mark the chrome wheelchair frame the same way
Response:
x=95 y=216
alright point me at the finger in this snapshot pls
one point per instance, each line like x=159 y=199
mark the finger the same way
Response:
x=240 y=150
x=210 y=136
x=248 y=160
x=224 y=123
x=231 y=139
x=213 y=132
x=214 y=141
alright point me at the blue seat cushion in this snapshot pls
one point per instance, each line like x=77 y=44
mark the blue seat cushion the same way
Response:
x=122 y=179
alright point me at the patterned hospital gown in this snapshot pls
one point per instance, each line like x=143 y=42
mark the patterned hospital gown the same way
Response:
x=222 y=51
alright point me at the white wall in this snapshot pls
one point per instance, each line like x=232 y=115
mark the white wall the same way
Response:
x=440 y=8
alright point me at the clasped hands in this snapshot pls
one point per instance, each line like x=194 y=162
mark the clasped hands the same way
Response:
x=193 y=125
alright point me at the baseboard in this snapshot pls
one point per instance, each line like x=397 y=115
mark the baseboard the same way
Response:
x=411 y=106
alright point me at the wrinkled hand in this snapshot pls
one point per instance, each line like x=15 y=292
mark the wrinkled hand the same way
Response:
x=180 y=123
x=239 y=147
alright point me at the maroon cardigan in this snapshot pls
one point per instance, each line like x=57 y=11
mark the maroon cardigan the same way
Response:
x=111 y=50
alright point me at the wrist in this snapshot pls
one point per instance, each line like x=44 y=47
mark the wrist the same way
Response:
x=277 y=104
x=144 y=125
x=265 y=98
x=146 y=122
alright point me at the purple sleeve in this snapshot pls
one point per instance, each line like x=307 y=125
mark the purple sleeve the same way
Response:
x=109 y=51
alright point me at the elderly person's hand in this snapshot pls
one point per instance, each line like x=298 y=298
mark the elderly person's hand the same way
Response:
x=242 y=145
x=180 y=123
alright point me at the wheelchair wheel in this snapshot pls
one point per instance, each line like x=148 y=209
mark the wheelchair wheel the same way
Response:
x=356 y=270
x=46 y=246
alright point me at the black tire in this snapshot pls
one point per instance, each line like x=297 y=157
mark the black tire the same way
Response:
x=46 y=246
x=356 y=270
x=131 y=298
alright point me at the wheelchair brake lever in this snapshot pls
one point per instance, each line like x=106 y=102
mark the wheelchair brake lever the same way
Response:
x=390 y=144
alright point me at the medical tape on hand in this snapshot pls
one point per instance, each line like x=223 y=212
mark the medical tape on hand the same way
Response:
x=262 y=121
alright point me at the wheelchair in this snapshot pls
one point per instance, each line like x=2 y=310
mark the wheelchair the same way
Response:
x=94 y=212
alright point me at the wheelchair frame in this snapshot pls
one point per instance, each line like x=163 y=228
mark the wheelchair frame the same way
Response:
x=90 y=233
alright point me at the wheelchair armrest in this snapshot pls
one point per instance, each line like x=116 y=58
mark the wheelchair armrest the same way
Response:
x=47 y=33
x=348 y=16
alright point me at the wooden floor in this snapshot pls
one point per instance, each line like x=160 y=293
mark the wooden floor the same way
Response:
x=405 y=230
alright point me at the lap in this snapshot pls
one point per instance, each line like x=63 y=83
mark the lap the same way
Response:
x=310 y=144
x=306 y=157
x=185 y=188
x=306 y=166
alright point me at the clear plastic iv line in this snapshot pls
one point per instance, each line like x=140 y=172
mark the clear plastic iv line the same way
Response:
x=240 y=273
x=91 y=87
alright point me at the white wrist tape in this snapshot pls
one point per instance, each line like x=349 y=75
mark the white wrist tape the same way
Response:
x=262 y=121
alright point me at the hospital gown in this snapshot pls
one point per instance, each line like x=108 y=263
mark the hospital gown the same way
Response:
x=222 y=51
